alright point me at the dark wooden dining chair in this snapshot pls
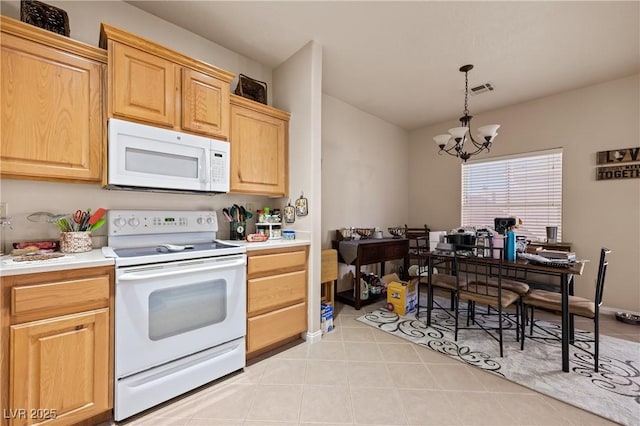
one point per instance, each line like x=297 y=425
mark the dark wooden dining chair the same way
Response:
x=477 y=287
x=579 y=306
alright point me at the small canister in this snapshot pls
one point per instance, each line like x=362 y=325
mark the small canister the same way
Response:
x=288 y=234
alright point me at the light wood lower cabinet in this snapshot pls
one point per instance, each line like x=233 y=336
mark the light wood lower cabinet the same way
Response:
x=57 y=347
x=276 y=297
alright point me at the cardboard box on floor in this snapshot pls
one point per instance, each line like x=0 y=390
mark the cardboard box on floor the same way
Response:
x=401 y=294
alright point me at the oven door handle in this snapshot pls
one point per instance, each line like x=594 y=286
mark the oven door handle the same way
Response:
x=138 y=276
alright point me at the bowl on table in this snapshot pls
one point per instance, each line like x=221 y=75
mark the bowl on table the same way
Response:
x=365 y=232
x=397 y=232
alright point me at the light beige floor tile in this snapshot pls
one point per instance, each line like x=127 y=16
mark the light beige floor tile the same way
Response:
x=399 y=352
x=411 y=376
x=264 y=423
x=575 y=416
x=524 y=408
x=351 y=322
x=326 y=373
x=276 y=403
x=224 y=402
x=368 y=374
x=282 y=371
x=356 y=334
x=377 y=406
x=327 y=351
x=299 y=350
x=213 y=422
x=333 y=335
x=326 y=404
x=364 y=351
x=479 y=408
x=455 y=377
x=160 y=421
x=427 y=407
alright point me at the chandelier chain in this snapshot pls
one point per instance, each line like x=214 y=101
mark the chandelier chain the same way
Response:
x=466 y=93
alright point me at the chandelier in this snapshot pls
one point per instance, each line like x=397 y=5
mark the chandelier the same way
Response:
x=485 y=136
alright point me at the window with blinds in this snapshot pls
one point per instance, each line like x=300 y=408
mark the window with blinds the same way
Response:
x=525 y=186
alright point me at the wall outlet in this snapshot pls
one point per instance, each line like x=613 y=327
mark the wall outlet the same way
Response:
x=4 y=210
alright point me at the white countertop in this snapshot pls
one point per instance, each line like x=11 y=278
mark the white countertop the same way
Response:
x=269 y=244
x=68 y=261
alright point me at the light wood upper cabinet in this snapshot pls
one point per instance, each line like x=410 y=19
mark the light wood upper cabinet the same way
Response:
x=259 y=148
x=51 y=105
x=155 y=85
x=56 y=347
x=143 y=86
x=205 y=103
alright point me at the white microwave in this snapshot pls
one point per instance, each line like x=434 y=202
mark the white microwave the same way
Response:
x=151 y=158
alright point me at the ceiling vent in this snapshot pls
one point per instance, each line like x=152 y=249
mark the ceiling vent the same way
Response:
x=486 y=87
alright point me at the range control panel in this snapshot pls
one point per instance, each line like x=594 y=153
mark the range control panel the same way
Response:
x=145 y=222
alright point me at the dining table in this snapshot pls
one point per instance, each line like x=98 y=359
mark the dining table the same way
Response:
x=561 y=278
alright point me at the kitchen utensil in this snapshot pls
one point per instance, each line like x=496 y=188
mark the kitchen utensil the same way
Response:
x=43 y=217
x=79 y=218
x=226 y=214
x=96 y=217
x=97 y=225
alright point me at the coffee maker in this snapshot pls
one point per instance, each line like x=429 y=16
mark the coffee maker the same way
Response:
x=503 y=224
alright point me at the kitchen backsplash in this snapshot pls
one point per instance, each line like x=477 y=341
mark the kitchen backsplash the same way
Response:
x=24 y=197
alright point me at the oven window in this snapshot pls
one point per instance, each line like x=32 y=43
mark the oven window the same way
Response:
x=178 y=310
x=161 y=163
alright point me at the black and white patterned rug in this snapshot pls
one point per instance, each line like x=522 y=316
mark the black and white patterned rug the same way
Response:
x=613 y=392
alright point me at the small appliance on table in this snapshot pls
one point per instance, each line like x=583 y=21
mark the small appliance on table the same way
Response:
x=180 y=305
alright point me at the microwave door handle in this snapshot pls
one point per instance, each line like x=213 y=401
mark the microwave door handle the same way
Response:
x=205 y=169
x=139 y=276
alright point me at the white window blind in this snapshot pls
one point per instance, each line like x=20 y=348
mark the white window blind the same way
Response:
x=528 y=187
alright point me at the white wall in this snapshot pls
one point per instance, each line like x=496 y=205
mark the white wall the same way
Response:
x=365 y=178
x=298 y=88
x=25 y=197
x=595 y=213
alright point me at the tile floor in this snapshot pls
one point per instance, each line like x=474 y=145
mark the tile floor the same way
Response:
x=359 y=375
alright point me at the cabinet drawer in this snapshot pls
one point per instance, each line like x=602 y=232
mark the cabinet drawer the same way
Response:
x=277 y=262
x=275 y=291
x=273 y=327
x=59 y=298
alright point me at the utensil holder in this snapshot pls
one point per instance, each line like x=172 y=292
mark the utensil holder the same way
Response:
x=75 y=242
x=552 y=234
x=238 y=230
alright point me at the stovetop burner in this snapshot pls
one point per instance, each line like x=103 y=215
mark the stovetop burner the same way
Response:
x=139 y=237
x=169 y=248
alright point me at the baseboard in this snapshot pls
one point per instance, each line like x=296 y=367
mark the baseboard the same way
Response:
x=314 y=337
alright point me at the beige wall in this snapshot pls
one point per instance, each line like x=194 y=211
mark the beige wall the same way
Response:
x=364 y=171
x=595 y=213
x=298 y=87
x=25 y=197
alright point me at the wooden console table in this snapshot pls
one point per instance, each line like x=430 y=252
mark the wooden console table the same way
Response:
x=368 y=252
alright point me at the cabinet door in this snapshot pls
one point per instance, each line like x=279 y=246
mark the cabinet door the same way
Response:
x=60 y=365
x=52 y=113
x=205 y=104
x=142 y=86
x=258 y=153
x=273 y=327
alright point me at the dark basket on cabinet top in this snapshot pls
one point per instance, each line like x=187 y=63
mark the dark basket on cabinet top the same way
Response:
x=45 y=16
x=251 y=89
